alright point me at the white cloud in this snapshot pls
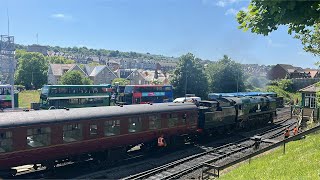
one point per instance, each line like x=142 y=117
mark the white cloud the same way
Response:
x=273 y=44
x=61 y=16
x=223 y=3
x=231 y=11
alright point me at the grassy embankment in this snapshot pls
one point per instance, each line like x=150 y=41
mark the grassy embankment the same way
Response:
x=301 y=161
x=26 y=97
x=287 y=96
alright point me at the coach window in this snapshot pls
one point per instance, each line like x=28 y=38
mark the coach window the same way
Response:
x=5 y=141
x=173 y=120
x=112 y=127
x=135 y=124
x=38 y=137
x=72 y=132
x=154 y=122
x=192 y=119
x=93 y=129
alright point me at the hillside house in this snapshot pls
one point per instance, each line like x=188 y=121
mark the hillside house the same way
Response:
x=282 y=71
x=55 y=71
x=100 y=74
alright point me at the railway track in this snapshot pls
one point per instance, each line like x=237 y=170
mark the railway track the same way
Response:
x=40 y=173
x=183 y=166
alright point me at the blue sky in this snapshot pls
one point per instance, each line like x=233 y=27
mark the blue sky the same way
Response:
x=206 y=28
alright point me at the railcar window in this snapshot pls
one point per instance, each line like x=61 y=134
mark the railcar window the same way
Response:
x=154 y=122
x=173 y=120
x=5 y=141
x=192 y=119
x=93 y=129
x=72 y=132
x=112 y=128
x=38 y=137
x=135 y=124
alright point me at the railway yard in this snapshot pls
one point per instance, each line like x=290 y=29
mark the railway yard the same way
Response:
x=191 y=161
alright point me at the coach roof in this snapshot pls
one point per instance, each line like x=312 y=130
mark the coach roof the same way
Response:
x=62 y=115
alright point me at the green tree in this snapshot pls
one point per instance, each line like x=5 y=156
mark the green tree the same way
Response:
x=190 y=69
x=225 y=76
x=75 y=78
x=302 y=18
x=121 y=81
x=32 y=69
x=59 y=60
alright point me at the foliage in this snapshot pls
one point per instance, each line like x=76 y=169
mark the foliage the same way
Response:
x=155 y=82
x=32 y=69
x=301 y=161
x=284 y=84
x=59 y=60
x=287 y=96
x=75 y=78
x=27 y=97
x=225 y=76
x=121 y=81
x=302 y=18
x=189 y=68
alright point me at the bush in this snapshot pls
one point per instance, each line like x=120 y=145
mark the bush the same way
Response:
x=284 y=84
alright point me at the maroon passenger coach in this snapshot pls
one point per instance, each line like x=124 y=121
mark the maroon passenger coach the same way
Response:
x=51 y=136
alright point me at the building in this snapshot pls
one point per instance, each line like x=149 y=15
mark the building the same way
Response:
x=136 y=78
x=8 y=62
x=100 y=74
x=38 y=48
x=55 y=72
x=113 y=65
x=156 y=77
x=167 y=66
x=123 y=73
x=282 y=71
x=309 y=101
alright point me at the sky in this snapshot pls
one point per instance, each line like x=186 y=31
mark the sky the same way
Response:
x=206 y=28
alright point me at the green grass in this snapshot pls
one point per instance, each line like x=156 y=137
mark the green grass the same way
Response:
x=285 y=94
x=26 y=97
x=301 y=161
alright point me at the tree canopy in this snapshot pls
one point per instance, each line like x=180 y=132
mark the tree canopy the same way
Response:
x=59 y=60
x=190 y=69
x=75 y=78
x=32 y=69
x=225 y=76
x=302 y=18
x=121 y=81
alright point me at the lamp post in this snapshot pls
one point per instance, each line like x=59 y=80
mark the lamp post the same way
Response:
x=32 y=80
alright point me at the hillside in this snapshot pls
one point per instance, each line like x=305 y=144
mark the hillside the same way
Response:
x=89 y=53
x=301 y=161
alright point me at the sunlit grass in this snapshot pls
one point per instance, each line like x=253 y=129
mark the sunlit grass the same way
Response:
x=301 y=161
x=26 y=97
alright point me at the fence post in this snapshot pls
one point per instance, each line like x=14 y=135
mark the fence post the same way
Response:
x=291 y=112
